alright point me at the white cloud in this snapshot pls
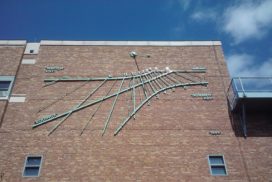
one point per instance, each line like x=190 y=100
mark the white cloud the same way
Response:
x=206 y=15
x=245 y=65
x=237 y=64
x=248 y=20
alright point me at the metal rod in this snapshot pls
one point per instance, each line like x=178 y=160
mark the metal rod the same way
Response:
x=236 y=89
x=112 y=108
x=135 y=60
x=146 y=86
x=67 y=78
x=194 y=76
x=172 y=78
x=139 y=91
x=171 y=81
x=148 y=98
x=185 y=77
x=244 y=121
x=38 y=123
x=156 y=81
x=96 y=110
x=51 y=83
x=62 y=97
x=146 y=89
x=243 y=90
x=133 y=93
x=71 y=111
x=137 y=81
x=131 y=97
x=152 y=87
x=143 y=86
x=150 y=83
x=165 y=81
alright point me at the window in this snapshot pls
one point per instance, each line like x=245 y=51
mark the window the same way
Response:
x=5 y=86
x=217 y=165
x=31 y=51
x=32 y=166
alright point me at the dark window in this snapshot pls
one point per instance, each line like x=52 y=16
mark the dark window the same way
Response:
x=5 y=86
x=31 y=51
x=32 y=166
x=217 y=165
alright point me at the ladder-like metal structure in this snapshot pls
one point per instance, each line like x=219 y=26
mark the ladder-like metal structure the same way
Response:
x=151 y=82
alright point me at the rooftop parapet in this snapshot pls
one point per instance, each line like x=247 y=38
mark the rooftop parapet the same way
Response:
x=244 y=89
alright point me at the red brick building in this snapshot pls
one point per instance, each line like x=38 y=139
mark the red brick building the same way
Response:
x=62 y=103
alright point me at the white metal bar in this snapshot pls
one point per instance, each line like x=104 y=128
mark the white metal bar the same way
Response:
x=38 y=123
x=148 y=98
x=86 y=125
x=112 y=108
x=71 y=111
x=67 y=78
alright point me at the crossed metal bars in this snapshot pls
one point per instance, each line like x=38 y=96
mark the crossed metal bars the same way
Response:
x=151 y=81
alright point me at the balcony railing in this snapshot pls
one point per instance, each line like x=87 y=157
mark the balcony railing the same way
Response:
x=249 y=88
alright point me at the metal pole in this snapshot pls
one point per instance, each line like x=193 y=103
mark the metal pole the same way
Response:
x=112 y=108
x=160 y=79
x=149 y=77
x=69 y=79
x=38 y=123
x=147 y=90
x=185 y=77
x=148 y=98
x=156 y=81
x=71 y=111
x=143 y=87
x=131 y=97
x=139 y=91
x=150 y=83
x=57 y=100
x=165 y=81
x=147 y=83
x=133 y=93
x=96 y=109
x=51 y=83
x=136 y=63
x=154 y=88
x=244 y=94
x=172 y=78
x=244 y=121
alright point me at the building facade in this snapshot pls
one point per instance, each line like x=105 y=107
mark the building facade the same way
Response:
x=124 y=111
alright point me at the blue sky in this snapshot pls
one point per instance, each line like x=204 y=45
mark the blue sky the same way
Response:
x=244 y=26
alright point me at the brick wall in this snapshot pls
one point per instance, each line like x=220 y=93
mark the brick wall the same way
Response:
x=10 y=57
x=168 y=141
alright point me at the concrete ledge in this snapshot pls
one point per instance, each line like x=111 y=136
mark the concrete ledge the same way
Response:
x=113 y=43
x=17 y=99
x=28 y=61
x=12 y=42
x=32 y=48
x=130 y=43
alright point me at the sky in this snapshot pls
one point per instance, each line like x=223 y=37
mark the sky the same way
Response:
x=244 y=26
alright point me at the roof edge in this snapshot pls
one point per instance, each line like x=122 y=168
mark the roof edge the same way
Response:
x=12 y=42
x=131 y=43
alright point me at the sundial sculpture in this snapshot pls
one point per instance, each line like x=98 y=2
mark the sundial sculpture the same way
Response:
x=151 y=81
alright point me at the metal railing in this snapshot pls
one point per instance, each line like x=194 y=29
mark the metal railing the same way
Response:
x=240 y=86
